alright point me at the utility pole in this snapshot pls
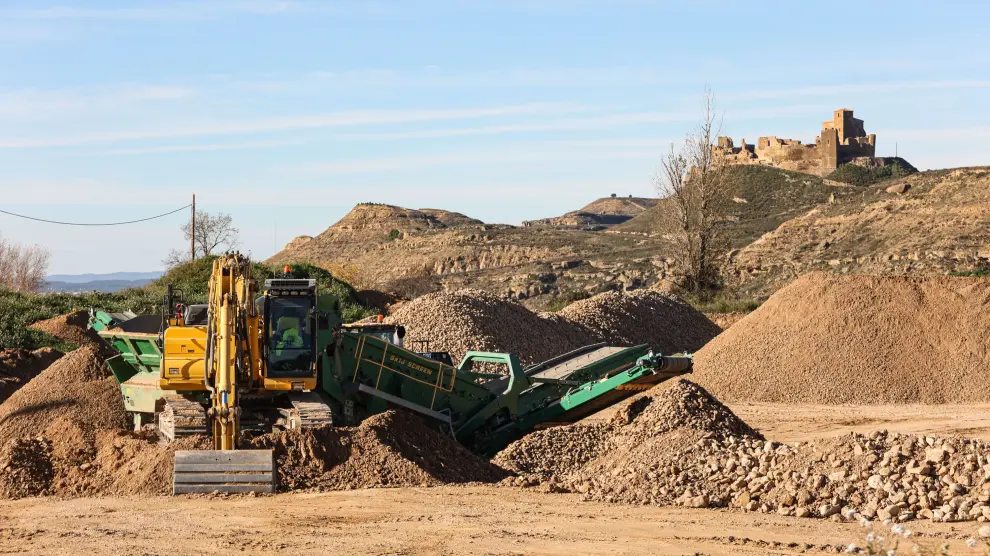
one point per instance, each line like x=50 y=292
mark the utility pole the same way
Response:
x=192 y=225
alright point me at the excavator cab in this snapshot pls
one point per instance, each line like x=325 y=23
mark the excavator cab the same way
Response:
x=291 y=322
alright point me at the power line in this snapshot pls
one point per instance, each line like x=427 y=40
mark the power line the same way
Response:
x=93 y=224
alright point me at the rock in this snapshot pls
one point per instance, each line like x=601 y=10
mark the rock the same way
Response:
x=984 y=531
x=699 y=501
x=935 y=455
x=899 y=188
x=828 y=510
x=888 y=512
x=802 y=512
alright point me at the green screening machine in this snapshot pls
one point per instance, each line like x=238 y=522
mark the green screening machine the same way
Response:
x=486 y=401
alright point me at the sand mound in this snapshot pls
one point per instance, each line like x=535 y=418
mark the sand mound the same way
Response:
x=71 y=327
x=18 y=366
x=857 y=339
x=76 y=390
x=661 y=320
x=387 y=450
x=477 y=320
x=472 y=319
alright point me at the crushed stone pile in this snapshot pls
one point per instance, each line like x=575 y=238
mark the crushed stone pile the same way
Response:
x=18 y=366
x=391 y=449
x=680 y=446
x=857 y=339
x=476 y=320
x=71 y=327
x=662 y=320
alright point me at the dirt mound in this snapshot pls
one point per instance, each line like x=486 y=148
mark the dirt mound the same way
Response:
x=75 y=389
x=387 y=450
x=18 y=366
x=71 y=327
x=661 y=320
x=25 y=468
x=477 y=320
x=370 y=216
x=832 y=340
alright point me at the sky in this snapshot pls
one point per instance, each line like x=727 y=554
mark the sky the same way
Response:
x=284 y=114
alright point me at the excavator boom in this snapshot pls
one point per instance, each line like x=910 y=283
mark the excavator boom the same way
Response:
x=231 y=332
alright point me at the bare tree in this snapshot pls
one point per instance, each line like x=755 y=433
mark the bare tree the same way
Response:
x=694 y=179
x=213 y=233
x=23 y=268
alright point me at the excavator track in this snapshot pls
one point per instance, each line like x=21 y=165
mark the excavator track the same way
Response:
x=308 y=410
x=182 y=417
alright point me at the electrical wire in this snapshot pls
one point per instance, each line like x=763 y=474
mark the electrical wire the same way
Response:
x=93 y=224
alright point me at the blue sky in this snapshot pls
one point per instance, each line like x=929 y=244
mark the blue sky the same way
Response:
x=287 y=113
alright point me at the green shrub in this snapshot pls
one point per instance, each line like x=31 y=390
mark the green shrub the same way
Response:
x=394 y=235
x=19 y=310
x=855 y=174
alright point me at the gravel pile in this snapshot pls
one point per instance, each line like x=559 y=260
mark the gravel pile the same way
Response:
x=477 y=320
x=857 y=339
x=471 y=319
x=662 y=320
x=18 y=366
x=680 y=446
x=391 y=449
x=72 y=327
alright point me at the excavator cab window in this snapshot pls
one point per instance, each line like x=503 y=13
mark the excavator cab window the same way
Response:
x=292 y=337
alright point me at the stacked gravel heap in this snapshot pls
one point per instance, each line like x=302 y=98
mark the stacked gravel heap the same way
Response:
x=857 y=339
x=661 y=320
x=477 y=320
x=680 y=446
x=472 y=319
x=72 y=327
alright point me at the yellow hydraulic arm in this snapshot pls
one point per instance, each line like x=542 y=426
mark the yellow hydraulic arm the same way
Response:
x=233 y=360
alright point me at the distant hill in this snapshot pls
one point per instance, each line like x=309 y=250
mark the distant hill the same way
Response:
x=763 y=198
x=82 y=278
x=109 y=282
x=929 y=223
x=601 y=213
x=409 y=251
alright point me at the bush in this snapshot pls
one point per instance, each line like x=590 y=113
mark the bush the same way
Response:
x=394 y=235
x=566 y=298
x=855 y=174
x=19 y=310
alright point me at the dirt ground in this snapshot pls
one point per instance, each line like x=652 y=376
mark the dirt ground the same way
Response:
x=412 y=521
x=485 y=520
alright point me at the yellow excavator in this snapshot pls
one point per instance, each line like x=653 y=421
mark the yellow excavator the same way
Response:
x=217 y=357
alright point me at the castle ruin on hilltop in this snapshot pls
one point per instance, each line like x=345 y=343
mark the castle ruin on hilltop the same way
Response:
x=843 y=139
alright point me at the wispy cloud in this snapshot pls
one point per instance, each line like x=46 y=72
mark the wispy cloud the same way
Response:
x=617 y=76
x=291 y=123
x=854 y=88
x=513 y=156
x=165 y=10
x=32 y=103
x=210 y=147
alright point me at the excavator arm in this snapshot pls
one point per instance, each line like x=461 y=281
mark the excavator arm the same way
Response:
x=232 y=359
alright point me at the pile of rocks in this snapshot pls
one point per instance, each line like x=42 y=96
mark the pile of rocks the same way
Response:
x=680 y=446
x=476 y=320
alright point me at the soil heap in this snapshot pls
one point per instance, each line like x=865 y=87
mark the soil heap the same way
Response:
x=857 y=339
x=681 y=446
x=71 y=327
x=390 y=449
x=18 y=366
x=474 y=319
